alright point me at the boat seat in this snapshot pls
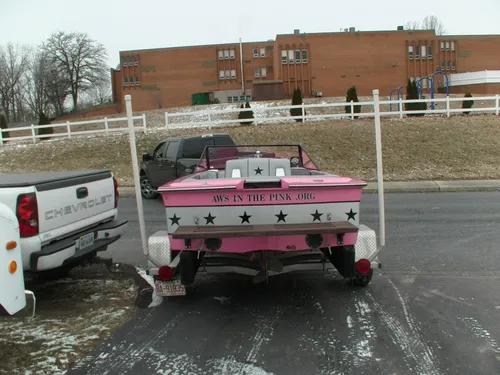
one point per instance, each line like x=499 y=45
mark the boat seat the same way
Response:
x=258 y=167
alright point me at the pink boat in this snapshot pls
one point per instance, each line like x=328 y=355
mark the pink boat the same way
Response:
x=260 y=210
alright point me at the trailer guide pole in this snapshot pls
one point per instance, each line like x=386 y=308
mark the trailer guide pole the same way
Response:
x=135 y=168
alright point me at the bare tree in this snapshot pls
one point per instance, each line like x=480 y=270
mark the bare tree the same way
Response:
x=14 y=61
x=35 y=83
x=428 y=23
x=80 y=59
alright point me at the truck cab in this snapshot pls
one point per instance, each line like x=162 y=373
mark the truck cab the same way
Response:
x=175 y=157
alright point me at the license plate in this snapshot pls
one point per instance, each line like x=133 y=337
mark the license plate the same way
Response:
x=86 y=241
x=170 y=288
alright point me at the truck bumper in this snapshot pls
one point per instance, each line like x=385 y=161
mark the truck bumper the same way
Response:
x=69 y=250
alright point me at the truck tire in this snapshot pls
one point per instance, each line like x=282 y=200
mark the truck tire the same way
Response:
x=147 y=190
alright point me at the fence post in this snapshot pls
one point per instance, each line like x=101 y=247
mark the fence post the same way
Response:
x=447 y=106
x=106 y=126
x=144 y=122
x=209 y=121
x=68 y=126
x=166 y=120
x=352 y=110
x=303 y=112
x=400 y=105
x=33 y=134
x=1 y=136
x=497 y=105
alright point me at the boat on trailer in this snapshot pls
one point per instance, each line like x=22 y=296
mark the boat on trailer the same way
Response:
x=260 y=210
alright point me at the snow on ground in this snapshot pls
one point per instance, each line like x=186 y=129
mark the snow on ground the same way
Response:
x=72 y=317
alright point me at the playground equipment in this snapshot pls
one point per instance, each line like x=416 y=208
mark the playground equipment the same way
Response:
x=429 y=78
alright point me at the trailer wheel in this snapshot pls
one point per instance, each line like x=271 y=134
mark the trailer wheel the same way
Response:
x=363 y=280
x=189 y=264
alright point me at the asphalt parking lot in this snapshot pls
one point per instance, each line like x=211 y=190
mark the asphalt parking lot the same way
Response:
x=434 y=307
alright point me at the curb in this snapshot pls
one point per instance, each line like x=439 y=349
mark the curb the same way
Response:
x=401 y=187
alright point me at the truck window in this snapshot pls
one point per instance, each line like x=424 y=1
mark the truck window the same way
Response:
x=159 y=152
x=171 y=152
x=193 y=148
x=223 y=140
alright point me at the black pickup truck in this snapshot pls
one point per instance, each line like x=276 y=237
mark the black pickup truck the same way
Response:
x=175 y=157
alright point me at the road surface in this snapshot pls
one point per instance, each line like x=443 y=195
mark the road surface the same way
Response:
x=434 y=307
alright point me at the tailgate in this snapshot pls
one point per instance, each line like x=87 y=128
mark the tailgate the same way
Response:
x=70 y=205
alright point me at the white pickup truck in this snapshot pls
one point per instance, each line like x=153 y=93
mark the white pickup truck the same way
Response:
x=64 y=218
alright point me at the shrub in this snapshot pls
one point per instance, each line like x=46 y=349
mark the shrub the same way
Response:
x=412 y=93
x=467 y=103
x=3 y=125
x=352 y=95
x=45 y=130
x=246 y=115
x=297 y=100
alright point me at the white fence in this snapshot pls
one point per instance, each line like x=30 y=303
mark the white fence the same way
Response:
x=326 y=111
x=108 y=125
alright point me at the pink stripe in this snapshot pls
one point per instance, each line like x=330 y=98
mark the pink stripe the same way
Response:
x=240 y=245
x=200 y=198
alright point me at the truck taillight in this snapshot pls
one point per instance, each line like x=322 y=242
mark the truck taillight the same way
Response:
x=117 y=194
x=27 y=214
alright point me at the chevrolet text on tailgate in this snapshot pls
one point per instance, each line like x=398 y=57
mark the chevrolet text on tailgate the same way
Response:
x=64 y=218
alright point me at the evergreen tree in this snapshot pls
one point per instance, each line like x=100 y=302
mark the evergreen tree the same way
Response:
x=467 y=103
x=412 y=93
x=246 y=115
x=352 y=95
x=45 y=130
x=3 y=125
x=297 y=100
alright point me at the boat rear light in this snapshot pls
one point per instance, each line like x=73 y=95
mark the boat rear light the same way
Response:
x=11 y=245
x=117 y=194
x=363 y=266
x=165 y=273
x=27 y=214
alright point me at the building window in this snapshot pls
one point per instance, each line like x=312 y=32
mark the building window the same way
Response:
x=447 y=46
x=255 y=52
x=125 y=60
x=136 y=60
x=125 y=78
x=447 y=65
x=231 y=54
x=221 y=75
x=233 y=74
x=228 y=74
x=453 y=46
x=256 y=73
x=137 y=80
x=443 y=65
x=221 y=55
x=417 y=52
x=262 y=52
x=453 y=65
x=304 y=56
x=410 y=52
x=297 y=56
x=442 y=46
x=423 y=52
x=226 y=54
x=283 y=57
x=429 y=51
x=290 y=56
x=263 y=72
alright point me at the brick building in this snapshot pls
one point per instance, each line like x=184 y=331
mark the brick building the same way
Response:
x=321 y=64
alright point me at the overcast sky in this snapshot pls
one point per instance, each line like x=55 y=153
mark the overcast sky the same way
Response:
x=125 y=24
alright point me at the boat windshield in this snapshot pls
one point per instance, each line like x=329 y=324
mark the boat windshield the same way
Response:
x=215 y=157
